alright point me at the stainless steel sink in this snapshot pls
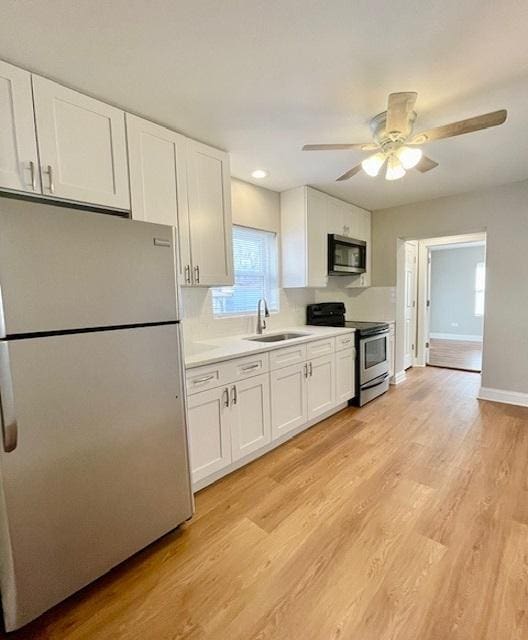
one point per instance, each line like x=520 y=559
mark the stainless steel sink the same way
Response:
x=278 y=337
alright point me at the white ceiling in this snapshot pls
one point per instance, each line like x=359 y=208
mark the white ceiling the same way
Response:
x=260 y=79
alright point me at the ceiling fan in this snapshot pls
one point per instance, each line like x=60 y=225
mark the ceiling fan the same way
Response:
x=396 y=144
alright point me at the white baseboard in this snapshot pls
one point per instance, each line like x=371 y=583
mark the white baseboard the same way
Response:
x=398 y=377
x=466 y=337
x=501 y=395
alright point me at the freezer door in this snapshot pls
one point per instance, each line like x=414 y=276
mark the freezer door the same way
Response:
x=67 y=269
x=101 y=467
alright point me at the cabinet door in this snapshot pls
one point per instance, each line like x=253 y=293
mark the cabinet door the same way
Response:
x=321 y=385
x=208 y=422
x=251 y=425
x=288 y=399
x=81 y=146
x=158 y=181
x=317 y=239
x=345 y=374
x=209 y=189
x=18 y=146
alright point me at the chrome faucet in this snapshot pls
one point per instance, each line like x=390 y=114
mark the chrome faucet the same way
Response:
x=261 y=324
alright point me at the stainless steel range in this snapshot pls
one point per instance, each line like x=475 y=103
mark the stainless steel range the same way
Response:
x=372 y=348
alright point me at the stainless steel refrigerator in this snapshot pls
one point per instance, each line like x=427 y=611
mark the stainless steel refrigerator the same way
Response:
x=93 y=458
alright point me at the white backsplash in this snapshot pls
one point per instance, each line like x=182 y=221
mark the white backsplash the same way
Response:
x=371 y=303
x=199 y=323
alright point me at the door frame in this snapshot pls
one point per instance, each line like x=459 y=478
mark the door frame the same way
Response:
x=424 y=283
x=408 y=245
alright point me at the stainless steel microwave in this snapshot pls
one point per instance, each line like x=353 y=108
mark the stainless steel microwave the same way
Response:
x=346 y=256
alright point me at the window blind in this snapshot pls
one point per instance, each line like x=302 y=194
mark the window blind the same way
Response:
x=256 y=274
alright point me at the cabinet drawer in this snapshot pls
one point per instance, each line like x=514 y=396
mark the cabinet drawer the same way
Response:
x=207 y=377
x=345 y=341
x=320 y=348
x=287 y=356
x=247 y=367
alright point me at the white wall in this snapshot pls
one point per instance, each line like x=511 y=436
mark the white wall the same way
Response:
x=453 y=291
x=256 y=207
x=502 y=212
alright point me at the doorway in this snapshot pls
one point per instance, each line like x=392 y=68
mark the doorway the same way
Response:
x=451 y=310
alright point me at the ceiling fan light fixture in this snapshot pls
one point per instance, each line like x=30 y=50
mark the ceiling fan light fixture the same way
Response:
x=395 y=170
x=409 y=157
x=372 y=165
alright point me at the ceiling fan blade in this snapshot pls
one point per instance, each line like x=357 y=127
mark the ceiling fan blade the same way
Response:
x=349 y=173
x=364 y=146
x=462 y=126
x=399 y=109
x=426 y=164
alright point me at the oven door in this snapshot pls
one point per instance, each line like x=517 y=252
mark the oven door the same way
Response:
x=346 y=255
x=373 y=357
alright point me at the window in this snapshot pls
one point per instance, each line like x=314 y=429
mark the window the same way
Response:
x=255 y=266
x=480 y=286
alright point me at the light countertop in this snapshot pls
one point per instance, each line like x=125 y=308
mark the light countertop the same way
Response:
x=218 y=349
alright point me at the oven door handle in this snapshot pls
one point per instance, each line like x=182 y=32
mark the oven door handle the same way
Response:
x=376 y=382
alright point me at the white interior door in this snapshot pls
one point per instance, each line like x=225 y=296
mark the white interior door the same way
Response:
x=18 y=144
x=81 y=146
x=251 y=428
x=209 y=192
x=411 y=269
x=158 y=181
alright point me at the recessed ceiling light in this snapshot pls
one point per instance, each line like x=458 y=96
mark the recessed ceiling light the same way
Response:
x=259 y=173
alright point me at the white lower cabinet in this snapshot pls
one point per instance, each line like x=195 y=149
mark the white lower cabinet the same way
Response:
x=288 y=393
x=209 y=427
x=320 y=386
x=345 y=363
x=237 y=408
x=250 y=415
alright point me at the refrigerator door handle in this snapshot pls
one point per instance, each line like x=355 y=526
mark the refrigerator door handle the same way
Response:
x=7 y=402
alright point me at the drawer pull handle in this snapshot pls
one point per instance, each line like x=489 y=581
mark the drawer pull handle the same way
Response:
x=234 y=394
x=251 y=366
x=311 y=370
x=225 y=393
x=203 y=379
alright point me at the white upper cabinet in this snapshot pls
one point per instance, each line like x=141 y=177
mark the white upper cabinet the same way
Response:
x=307 y=217
x=18 y=146
x=158 y=180
x=209 y=195
x=81 y=145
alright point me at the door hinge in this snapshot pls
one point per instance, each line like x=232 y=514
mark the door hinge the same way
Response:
x=427 y=345
x=428 y=304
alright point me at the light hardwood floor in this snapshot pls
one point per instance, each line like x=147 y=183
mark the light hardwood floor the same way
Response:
x=404 y=520
x=456 y=354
